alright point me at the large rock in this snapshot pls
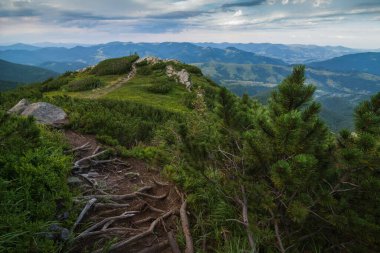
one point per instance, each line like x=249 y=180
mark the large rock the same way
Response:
x=183 y=77
x=44 y=113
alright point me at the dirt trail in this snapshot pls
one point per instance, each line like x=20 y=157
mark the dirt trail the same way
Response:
x=146 y=197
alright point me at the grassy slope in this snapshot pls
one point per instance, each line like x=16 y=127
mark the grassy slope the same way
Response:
x=136 y=91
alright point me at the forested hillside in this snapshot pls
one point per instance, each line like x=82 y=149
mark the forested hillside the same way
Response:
x=255 y=177
x=12 y=74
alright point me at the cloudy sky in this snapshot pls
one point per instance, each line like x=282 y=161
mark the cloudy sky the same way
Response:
x=353 y=23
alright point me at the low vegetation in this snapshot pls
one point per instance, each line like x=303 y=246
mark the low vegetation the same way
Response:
x=87 y=83
x=115 y=66
x=33 y=189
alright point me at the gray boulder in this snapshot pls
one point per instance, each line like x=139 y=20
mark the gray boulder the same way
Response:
x=44 y=113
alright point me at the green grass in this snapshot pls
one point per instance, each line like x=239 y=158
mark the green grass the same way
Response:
x=136 y=90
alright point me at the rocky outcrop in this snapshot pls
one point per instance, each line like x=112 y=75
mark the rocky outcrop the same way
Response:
x=183 y=77
x=44 y=113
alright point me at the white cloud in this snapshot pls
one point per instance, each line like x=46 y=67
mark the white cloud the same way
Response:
x=238 y=13
x=318 y=3
x=285 y=2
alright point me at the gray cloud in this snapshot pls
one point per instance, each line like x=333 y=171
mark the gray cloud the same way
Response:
x=244 y=4
x=179 y=15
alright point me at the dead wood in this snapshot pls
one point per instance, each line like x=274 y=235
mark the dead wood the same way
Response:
x=86 y=208
x=138 y=236
x=186 y=228
x=245 y=219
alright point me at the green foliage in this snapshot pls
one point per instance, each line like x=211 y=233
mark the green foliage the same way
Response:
x=55 y=84
x=33 y=174
x=82 y=84
x=125 y=122
x=116 y=66
x=161 y=85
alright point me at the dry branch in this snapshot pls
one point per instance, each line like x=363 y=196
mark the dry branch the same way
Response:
x=245 y=219
x=138 y=236
x=186 y=228
x=87 y=207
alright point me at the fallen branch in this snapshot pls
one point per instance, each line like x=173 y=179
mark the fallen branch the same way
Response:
x=138 y=236
x=186 y=228
x=87 y=207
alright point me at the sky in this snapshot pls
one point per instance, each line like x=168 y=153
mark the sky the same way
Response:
x=351 y=23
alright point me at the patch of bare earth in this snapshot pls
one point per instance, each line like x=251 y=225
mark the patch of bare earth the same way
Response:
x=127 y=206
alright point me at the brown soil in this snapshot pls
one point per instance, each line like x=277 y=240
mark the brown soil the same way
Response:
x=119 y=179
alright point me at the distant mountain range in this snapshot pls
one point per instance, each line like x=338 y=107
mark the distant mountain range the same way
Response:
x=364 y=62
x=12 y=74
x=292 y=54
x=344 y=76
x=91 y=55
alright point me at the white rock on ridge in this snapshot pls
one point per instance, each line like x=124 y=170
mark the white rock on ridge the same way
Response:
x=44 y=113
x=183 y=77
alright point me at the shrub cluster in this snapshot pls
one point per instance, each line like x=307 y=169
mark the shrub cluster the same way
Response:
x=115 y=66
x=87 y=83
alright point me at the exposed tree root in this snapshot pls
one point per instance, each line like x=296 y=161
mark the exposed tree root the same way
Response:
x=186 y=228
x=138 y=236
x=173 y=243
x=88 y=231
x=156 y=248
x=87 y=207
x=85 y=146
x=77 y=163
